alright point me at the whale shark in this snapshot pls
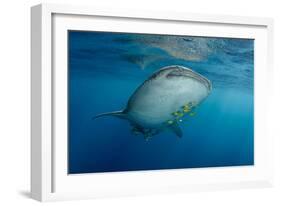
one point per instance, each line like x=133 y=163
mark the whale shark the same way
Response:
x=163 y=99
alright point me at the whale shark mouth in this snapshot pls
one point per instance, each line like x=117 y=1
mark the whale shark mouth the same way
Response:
x=179 y=72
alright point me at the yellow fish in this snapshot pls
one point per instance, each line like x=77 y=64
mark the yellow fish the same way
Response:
x=176 y=113
x=170 y=121
x=180 y=114
x=186 y=106
x=192 y=114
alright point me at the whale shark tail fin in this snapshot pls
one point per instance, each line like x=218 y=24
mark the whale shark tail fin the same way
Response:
x=119 y=114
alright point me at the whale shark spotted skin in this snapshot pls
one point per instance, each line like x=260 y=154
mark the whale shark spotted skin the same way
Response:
x=163 y=99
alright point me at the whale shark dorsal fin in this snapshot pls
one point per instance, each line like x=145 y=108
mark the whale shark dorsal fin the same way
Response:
x=176 y=129
x=119 y=114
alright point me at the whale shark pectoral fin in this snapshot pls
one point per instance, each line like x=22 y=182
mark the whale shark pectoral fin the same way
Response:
x=119 y=114
x=176 y=129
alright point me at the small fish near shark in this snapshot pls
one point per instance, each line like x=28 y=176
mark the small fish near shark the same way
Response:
x=161 y=101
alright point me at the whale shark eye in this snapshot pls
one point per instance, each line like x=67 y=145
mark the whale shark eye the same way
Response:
x=154 y=76
x=157 y=75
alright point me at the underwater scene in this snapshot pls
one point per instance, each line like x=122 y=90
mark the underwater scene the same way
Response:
x=151 y=102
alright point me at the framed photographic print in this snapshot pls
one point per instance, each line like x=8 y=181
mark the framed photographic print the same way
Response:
x=133 y=102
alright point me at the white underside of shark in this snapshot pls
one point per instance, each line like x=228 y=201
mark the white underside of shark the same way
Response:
x=160 y=102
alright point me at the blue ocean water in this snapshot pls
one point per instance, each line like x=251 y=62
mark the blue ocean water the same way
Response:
x=106 y=68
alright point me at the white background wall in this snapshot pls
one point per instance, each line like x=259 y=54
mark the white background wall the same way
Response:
x=15 y=95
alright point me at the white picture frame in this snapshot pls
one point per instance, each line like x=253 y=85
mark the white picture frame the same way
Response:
x=49 y=178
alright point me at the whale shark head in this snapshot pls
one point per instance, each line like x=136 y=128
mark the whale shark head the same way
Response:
x=176 y=72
